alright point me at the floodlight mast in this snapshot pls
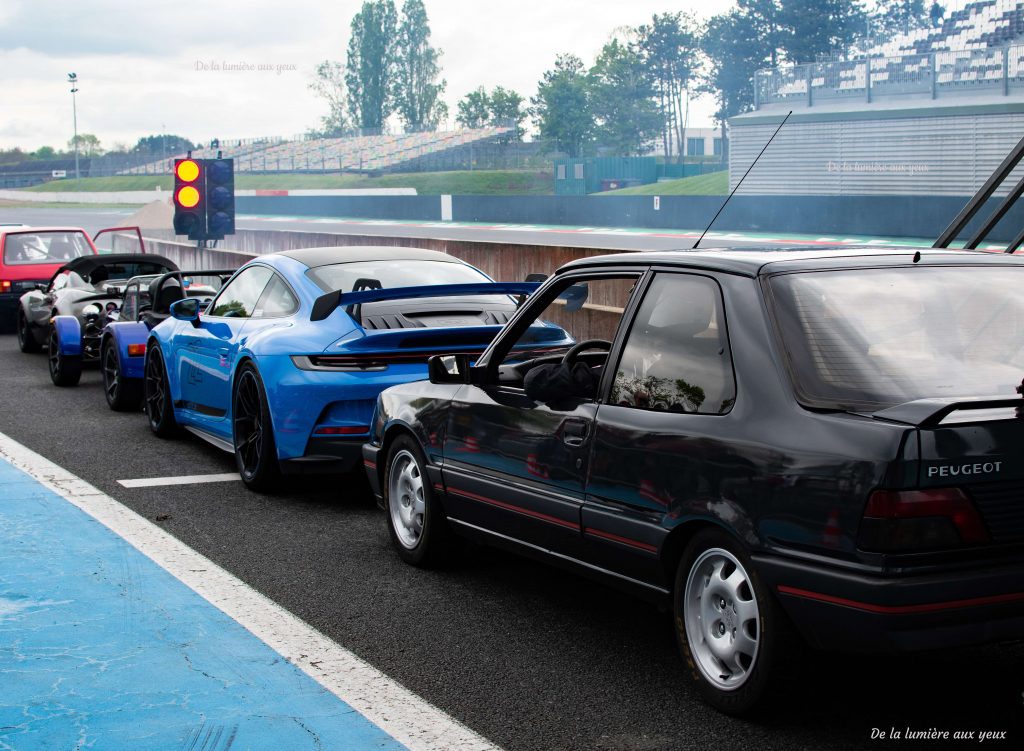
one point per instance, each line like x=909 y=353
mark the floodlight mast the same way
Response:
x=73 y=80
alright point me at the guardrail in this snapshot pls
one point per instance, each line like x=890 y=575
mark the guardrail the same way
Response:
x=934 y=74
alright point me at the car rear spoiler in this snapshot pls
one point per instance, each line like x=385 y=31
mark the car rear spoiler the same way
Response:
x=326 y=304
x=928 y=413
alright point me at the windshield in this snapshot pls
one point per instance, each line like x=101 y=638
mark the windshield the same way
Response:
x=393 y=273
x=45 y=247
x=867 y=339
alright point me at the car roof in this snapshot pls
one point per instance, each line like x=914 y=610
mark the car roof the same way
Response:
x=314 y=257
x=751 y=261
x=28 y=229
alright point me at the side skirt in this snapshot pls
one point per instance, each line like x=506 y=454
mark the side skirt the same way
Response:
x=649 y=592
x=210 y=438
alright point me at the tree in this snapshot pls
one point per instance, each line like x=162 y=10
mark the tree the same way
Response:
x=669 y=46
x=561 y=108
x=329 y=85
x=474 y=109
x=506 y=109
x=16 y=155
x=936 y=13
x=88 y=144
x=162 y=144
x=417 y=90
x=735 y=52
x=44 y=152
x=370 y=65
x=900 y=16
x=622 y=100
x=818 y=28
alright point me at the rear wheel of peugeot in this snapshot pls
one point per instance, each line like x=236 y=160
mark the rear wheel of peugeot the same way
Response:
x=65 y=370
x=157 y=395
x=26 y=339
x=123 y=394
x=417 y=524
x=255 y=449
x=731 y=632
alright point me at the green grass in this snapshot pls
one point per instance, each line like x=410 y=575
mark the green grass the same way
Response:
x=711 y=184
x=483 y=182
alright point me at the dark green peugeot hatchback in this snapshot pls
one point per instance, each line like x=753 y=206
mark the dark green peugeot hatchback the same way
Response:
x=818 y=443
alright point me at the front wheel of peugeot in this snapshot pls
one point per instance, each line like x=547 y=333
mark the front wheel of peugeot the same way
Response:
x=416 y=521
x=731 y=632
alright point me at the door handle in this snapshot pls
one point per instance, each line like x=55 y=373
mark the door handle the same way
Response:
x=574 y=433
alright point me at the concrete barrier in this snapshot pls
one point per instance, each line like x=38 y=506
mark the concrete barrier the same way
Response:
x=502 y=261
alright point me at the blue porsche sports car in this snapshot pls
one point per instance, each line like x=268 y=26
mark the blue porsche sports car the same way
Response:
x=284 y=366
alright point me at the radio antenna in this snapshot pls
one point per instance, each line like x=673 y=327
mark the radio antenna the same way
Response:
x=726 y=202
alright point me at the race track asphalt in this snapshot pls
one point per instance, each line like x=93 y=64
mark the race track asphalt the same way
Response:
x=528 y=656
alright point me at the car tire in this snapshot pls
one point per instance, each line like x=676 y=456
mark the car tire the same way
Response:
x=253 y=432
x=123 y=394
x=732 y=633
x=417 y=524
x=157 y=395
x=65 y=370
x=26 y=339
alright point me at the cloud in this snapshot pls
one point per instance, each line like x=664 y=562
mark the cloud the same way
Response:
x=137 y=61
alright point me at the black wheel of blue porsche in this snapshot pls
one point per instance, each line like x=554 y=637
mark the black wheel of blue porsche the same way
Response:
x=255 y=450
x=65 y=370
x=123 y=394
x=26 y=339
x=157 y=395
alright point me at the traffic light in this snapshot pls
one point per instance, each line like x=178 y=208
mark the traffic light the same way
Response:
x=220 y=198
x=189 y=195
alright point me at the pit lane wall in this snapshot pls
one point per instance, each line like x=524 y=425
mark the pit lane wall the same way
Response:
x=503 y=262
x=874 y=215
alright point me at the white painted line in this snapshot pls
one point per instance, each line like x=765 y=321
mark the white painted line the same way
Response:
x=153 y=482
x=181 y=480
x=397 y=711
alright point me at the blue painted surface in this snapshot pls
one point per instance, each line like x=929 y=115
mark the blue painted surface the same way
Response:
x=101 y=648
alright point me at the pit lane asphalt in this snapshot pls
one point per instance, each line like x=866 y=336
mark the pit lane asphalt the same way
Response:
x=530 y=657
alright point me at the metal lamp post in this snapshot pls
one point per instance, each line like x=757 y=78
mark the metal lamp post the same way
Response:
x=73 y=80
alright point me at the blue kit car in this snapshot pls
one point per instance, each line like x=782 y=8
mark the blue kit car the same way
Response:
x=284 y=366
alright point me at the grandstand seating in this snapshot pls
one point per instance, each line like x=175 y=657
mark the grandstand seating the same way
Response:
x=352 y=154
x=981 y=45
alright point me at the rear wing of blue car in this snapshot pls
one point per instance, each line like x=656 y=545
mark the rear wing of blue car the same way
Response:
x=326 y=304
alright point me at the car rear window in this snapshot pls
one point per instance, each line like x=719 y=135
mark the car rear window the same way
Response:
x=872 y=338
x=45 y=247
x=392 y=273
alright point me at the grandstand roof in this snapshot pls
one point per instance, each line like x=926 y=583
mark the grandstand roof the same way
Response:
x=888 y=108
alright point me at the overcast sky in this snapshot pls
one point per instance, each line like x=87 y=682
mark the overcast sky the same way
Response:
x=145 y=66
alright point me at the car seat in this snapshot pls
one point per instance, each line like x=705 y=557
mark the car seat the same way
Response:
x=62 y=250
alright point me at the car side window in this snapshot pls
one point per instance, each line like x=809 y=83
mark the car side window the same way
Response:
x=676 y=357
x=277 y=300
x=238 y=299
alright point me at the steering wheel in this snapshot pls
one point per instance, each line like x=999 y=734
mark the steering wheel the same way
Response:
x=574 y=351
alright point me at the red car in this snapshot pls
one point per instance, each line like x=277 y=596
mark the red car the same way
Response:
x=30 y=256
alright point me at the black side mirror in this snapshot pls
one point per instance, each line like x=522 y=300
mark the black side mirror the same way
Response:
x=448 y=368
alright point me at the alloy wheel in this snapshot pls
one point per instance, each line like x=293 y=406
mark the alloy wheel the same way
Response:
x=722 y=619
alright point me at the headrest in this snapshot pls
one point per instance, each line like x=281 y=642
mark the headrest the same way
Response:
x=687 y=312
